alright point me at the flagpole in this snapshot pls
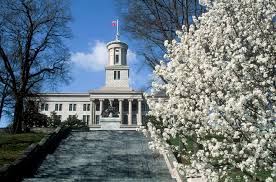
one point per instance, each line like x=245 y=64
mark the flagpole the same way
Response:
x=117 y=35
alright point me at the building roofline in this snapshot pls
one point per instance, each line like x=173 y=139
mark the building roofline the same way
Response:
x=91 y=92
x=116 y=42
x=115 y=92
x=64 y=94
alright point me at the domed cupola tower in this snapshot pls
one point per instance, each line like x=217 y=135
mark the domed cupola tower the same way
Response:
x=117 y=71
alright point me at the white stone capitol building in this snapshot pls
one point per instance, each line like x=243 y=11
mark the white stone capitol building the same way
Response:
x=90 y=107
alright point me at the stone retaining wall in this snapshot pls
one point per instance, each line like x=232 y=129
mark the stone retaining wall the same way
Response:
x=29 y=161
x=42 y=130
x=170 y=160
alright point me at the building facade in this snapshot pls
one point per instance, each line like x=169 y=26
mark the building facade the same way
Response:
x=89 y=107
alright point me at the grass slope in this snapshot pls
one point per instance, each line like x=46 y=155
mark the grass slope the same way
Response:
x=12 y=145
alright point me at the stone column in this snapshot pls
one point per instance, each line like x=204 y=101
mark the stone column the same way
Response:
x=92 y=120
x=129 y=111
x=94 y=110
x=139 y=114
x=121 y=109
x=101 y=106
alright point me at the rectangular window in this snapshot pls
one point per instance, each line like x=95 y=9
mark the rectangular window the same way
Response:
x=60 y=107
x=42 y=107
x=84 y=118
x=116 y=56
x=46 y=107
x=84 y=107
x=115 y=75
x=88 y=119
x=59 y=117
x=74 y=107
x=70 y=107
x=56 y=107
x=118 y=75
x=116 y=59
x=88 y=107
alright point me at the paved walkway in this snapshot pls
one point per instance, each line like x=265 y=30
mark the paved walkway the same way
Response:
x=103 y=156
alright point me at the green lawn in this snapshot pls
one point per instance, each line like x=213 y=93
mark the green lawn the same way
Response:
x=12 y=145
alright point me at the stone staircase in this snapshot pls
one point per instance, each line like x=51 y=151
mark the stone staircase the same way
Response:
x=103 y=156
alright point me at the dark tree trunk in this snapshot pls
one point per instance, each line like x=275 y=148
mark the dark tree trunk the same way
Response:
x=1 y=106
x=3 y=99
x=18 y=115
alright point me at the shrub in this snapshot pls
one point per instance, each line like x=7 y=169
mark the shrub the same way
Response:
x=74 y=122
x=54 y=120
x=32 y=118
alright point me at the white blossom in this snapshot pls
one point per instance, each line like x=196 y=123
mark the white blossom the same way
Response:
x=221 y=92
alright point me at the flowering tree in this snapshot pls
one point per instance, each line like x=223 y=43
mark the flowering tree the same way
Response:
x=221 y=93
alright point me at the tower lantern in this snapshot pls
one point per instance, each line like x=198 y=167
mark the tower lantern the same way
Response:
x=117 y=53
x=117 y=70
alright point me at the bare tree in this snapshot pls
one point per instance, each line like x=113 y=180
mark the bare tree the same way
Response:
x=151 y=22
x=31 y=48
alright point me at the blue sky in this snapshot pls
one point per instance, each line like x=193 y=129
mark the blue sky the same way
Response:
x=92 y=29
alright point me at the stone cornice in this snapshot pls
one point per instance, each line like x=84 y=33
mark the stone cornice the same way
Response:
x=64 y=94
x=114 y=67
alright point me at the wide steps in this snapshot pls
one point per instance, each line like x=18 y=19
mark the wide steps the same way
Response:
x=97 y=179
x=103 y=156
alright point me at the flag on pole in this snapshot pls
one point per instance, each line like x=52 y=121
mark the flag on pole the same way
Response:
x=114 y=23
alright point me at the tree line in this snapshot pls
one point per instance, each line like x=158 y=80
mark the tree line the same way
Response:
x=32 y=52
